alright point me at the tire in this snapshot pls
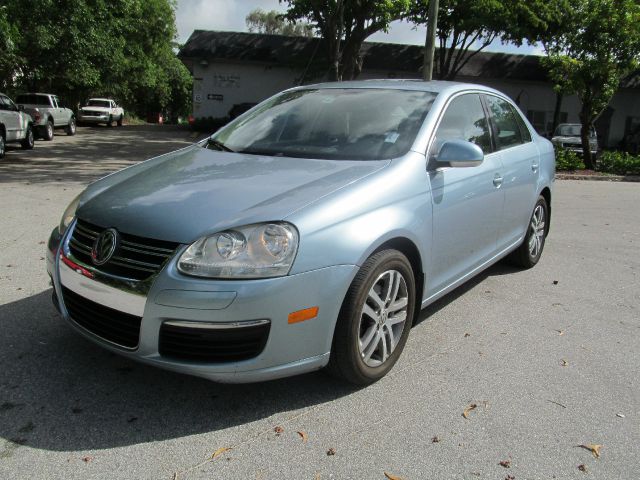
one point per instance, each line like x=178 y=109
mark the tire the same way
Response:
x=110 y=121
x=529 y=252
x=363 y=351
x=29 y=141
x=120 y=120
x=71 y=127
x=47 y=131
x=3 y=144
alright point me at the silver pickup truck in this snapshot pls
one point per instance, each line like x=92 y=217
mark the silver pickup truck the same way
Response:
x=48 y=114
x=15 y=126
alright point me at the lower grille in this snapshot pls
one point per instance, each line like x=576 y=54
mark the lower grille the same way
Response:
x=112 y=325
x=202 y=344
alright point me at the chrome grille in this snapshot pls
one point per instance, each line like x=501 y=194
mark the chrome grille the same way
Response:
x=92 y=113
x=135 y=258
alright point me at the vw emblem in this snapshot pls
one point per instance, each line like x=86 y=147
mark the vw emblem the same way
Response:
x=104 y=246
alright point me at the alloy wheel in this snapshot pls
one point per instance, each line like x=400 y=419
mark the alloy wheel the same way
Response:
x=384 y=314
x=536 y=231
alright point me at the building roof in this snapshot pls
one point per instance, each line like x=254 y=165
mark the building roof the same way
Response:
x=297 y=51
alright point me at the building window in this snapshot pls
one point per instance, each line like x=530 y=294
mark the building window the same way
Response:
x=542 y=120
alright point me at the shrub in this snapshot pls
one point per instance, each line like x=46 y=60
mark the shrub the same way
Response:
x=566 y=160
x=620 y=163
x=209 y=124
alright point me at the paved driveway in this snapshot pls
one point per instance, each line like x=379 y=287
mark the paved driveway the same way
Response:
x=548 y=356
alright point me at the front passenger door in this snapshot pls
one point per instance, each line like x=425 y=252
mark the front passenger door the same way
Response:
x=467 y=202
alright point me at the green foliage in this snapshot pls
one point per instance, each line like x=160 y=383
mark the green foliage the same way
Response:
x=590 y=58
x=274 y=23
x=81 y=48
x=620 y=163
x=568 y=161
x=466 y=27
x=344 y=25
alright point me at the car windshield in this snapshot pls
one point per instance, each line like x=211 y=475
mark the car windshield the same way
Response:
x=572 y=130
x=30 y=99
x=332 y=123
x=98 y=103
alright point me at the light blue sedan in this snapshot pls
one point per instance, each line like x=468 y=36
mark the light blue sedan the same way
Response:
x=307 y=233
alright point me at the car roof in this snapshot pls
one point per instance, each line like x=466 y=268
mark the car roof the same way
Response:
x=435 y=86
x=38 y=93
x=101 y=99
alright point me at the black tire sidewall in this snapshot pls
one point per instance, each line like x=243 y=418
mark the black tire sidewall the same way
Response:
x=3 y=146
x=48 y=131
x=536 y=259
x=71 y=128
x=351 y=313
x=29 y=139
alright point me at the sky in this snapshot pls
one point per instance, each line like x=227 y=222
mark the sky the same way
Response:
x=229 y=15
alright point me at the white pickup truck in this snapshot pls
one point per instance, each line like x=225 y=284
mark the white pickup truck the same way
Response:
x=47 y=113
x=15 y=126
x=101 y=110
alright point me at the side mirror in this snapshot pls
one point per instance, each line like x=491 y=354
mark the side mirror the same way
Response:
x=460 y=153
x=21 y=108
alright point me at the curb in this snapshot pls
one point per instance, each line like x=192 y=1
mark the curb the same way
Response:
x=598 y=178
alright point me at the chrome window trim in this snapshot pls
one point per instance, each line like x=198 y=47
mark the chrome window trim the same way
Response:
x=217 y=326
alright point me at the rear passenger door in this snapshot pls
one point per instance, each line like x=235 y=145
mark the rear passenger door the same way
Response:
x=520 y=160
x=467 y=202
x=10 y=118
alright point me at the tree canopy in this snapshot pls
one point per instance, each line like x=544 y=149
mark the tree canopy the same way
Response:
x=81 y=48
x=345 y=25
x=591 y=57
x=274 y=23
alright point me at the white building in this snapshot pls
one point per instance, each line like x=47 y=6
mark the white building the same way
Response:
x=232 y=69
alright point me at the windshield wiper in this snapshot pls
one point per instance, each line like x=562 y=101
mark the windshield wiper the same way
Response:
x=219 y=145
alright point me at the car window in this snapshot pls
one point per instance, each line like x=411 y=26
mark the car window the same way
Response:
x=54 y=101
x=505 y=123
x=3 y=103
x=524 y=130
x=98 y=103
x=332 y=123
x=464 y=119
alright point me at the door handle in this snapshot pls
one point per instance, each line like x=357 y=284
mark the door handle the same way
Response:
x=497 y=180
x=534 y=166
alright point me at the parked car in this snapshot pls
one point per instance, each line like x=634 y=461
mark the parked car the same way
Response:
x=48 y=114
x=15 y=125
x=568 y=136
x=307 y=233
x=101 y=110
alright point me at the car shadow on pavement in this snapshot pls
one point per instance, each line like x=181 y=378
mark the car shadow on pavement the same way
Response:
x=61 y=392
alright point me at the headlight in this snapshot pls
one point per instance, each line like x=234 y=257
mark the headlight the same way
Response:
x=255 y=251
x=68 y=215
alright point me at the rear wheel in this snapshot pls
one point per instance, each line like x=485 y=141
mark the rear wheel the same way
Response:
x=71 y=127
x=120 y=120
x=28 y=142
x=2 y=144
x=530 y=251
x=375 y=319
x=47 y=133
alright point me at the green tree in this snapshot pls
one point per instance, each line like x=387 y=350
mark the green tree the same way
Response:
x=591 y=58
x=274 y=23
x=345 y=25
x=467 y=27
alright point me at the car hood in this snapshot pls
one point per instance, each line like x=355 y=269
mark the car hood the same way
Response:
x=184 y=195
x=96 y=109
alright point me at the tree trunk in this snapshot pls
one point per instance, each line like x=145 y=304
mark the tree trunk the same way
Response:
x=586 y=121
x=557 y=111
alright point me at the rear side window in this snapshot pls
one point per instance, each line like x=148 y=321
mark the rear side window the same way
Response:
x=31 y=99
x=507 y=124
x=464 y=119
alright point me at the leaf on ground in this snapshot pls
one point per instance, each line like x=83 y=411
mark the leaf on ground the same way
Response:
x=87 y=459
x=564 y=363
x=219 y=452
x=303 y=436
x=593 y=448
x=468 y=410
x=391 y=476
x=331 y=451
x=509 y=477
x=582 y=468
x=467 y=335
x=560 y=332
x=435 y=439
x=505 y=463
x=278 y=430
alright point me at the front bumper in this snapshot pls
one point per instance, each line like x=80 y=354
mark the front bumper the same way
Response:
x=94 y=118
x=172 y=297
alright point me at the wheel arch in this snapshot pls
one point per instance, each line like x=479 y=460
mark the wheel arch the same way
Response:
x=410 y=250
x=546 y=193
x=50 y=119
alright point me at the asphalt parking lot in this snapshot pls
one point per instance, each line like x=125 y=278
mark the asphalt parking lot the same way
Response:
x=548 y=356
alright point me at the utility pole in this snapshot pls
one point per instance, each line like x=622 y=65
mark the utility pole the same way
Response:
x=430 y=43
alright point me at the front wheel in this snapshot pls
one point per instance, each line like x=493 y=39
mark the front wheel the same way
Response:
x=530 y=251
x=120 y=120
x=28 y=142
x=375 y=319
x=110 y=121
x=48 y=131
x=71 y=127
x=3 y=145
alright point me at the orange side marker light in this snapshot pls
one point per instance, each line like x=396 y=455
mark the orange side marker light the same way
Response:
x=302 y=315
